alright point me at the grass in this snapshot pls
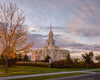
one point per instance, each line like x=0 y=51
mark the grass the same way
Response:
x=25 y=70
x=49 y=77
x=96 y=71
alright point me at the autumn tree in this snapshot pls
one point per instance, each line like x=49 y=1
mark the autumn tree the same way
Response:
x=13 y=34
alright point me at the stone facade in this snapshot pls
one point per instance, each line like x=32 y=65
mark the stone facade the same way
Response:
x=50 y=49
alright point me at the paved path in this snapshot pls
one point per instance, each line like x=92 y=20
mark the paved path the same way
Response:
x=45 y=74
x=95 y=76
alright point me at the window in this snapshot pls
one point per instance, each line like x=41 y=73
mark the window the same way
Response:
x=63 y=54
x=52 y=43
x=54 y=56
x=48 y=43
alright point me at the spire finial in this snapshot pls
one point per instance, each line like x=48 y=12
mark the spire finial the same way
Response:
x=50 y=26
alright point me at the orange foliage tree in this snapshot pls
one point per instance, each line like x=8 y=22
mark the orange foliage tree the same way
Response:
x=13 y=34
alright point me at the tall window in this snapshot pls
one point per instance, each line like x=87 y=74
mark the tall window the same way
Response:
x=63 y=54
x=52 y=43
x=48 y=43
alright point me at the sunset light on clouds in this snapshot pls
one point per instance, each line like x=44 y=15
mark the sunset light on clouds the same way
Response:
x=76 y=23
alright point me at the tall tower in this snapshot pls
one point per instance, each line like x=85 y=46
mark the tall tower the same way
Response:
x=50 y=41
x=50 y=33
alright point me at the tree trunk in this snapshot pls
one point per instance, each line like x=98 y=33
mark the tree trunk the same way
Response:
x=6 y=64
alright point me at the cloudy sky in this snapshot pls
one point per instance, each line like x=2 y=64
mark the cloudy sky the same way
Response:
x=76 y=23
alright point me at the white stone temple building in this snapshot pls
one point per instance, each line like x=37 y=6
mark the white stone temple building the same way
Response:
x=50 y=49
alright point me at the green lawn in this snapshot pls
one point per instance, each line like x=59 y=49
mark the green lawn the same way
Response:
x=49 y=77
x=24 y=70
x=96 y=71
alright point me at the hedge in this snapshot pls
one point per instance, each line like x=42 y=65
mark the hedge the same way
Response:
x=72 y=65
x=35 y=64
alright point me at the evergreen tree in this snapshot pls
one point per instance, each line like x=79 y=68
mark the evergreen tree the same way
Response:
x=68 y=59
x=47 y=58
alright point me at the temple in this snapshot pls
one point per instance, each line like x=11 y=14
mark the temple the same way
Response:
x=50 y=49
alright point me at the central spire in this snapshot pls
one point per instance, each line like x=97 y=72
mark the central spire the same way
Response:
x=51 y=26
x=50 y=41
x=51 y=33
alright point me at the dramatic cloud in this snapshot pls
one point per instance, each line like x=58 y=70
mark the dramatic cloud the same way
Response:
x=87 y=20
x=76 y=23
